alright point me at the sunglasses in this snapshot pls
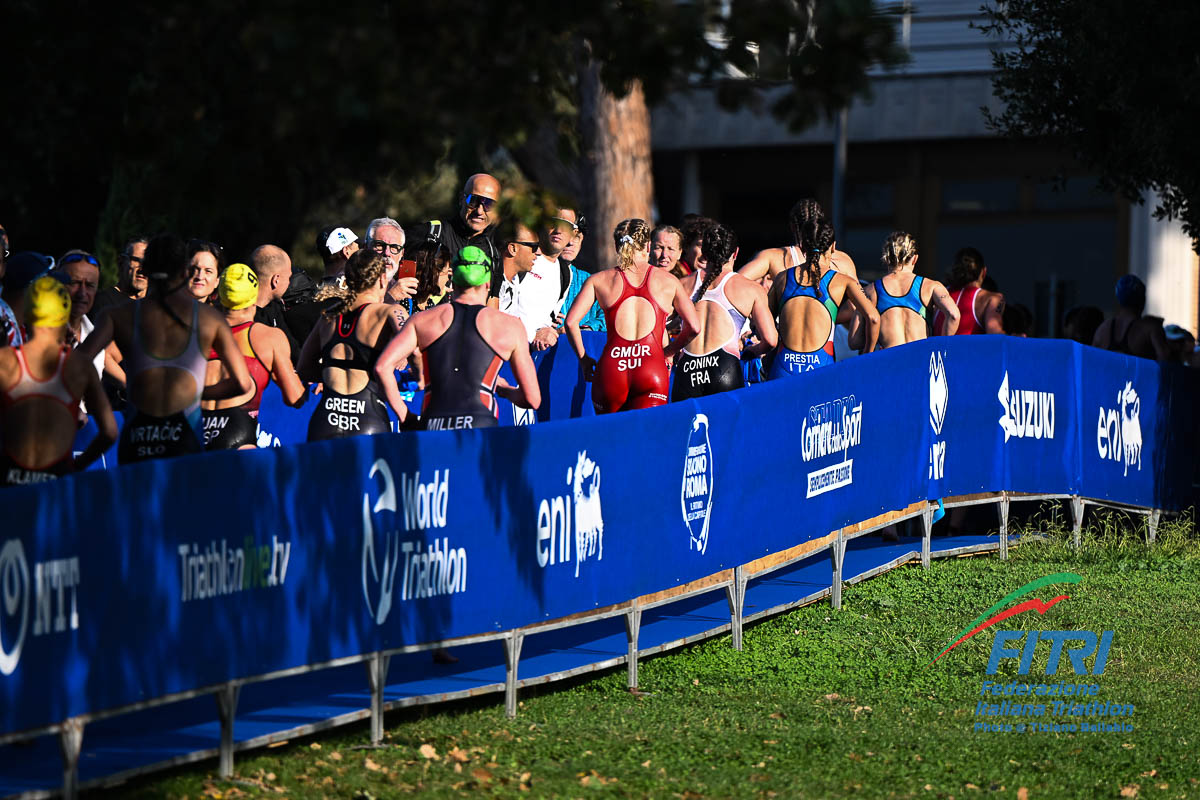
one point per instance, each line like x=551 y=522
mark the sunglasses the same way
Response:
x=530 y=245
x=475 y=201
x=559 y=222
x=380 y=246
x=71 y=259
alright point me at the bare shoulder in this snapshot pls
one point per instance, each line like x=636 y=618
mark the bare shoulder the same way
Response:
x=502 y=331
x=8 y=367
x=844 y=264
x=264 y=337
x=740 y=287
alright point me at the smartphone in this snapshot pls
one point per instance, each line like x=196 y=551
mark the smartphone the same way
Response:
x=408 y=269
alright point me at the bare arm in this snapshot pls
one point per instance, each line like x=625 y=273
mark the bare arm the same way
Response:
x=993 y=314
x=579 y=309
x=280 y=365
x=112 y=363
x=1158 y=340
x=99 y=339
x=764 y=323
x=758 y=267
x=687 y=316
x=527 y=393
x=940 y=299
x=867 y=309
x=101 y=411
x=309 y=366
x=397 y=351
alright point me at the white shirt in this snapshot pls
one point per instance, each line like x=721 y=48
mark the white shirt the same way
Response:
x=85 y=329
x=539 y=295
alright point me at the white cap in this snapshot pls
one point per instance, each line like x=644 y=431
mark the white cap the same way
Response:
x=339 y=239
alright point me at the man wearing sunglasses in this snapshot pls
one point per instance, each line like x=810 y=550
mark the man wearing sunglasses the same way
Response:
x=542 y=290
x=519 y=247
x=131 y=281
x=475 y=221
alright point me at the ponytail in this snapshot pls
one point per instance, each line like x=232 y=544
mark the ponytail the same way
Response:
x=630 y=237
x=363 y=271
x=898 y=248
x=815 y=239
x=719 y=245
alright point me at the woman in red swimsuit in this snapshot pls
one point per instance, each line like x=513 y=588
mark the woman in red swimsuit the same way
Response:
x=634 y=370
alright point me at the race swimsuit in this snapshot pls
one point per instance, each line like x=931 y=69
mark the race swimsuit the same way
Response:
x=910 y=300
x=231 y=428
x=790 y=362
x=146 y=437
x=461 y=369
x=968 y=320
x=631 y=374
x=719 y=370
x=340 y=415
x=12 y=472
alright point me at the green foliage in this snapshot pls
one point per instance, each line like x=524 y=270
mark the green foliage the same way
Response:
x=234 y=122
x=820 y=703
x=1104 y=81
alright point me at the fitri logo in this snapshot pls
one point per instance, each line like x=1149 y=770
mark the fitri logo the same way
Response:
x=696 y=493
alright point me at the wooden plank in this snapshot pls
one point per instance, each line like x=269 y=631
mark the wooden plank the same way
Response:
x=799 y=551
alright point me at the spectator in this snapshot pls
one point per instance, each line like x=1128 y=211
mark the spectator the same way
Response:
x=433 y=275
x=725 y=302
x=273 y=268
x=542 y=289
x=1080 y=323
x=666 y=247
x=232 y=423
x=165 y=338
x=463 y=345
x=206 y=260
x=1128 y=331
x=386 y=237
x=475 y=221
x=1181 y=343
x=82 y=273
x=21 y=270
x=342 y=350
x=10 y=329
x=42 y=383
x=593 y=320
x=335 y=245
x=131 y=281
x=980 y=310
x=902 y=297
x=519 y=248
x=692 y=232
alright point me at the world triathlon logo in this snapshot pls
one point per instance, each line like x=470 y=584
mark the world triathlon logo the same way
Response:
x=999 y=612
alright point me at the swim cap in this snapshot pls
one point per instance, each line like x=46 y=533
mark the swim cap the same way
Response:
x=47 y=303
x=472 y=267
x=1131 y=292
x=238 y=288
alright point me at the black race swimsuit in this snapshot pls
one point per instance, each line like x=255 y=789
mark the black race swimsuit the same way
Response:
x=461 y=369
x=341 y=415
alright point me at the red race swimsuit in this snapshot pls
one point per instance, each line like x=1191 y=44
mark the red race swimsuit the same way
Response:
x=631 y=374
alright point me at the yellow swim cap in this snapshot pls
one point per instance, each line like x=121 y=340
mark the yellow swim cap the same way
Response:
x=47 y=303
x=238 y=288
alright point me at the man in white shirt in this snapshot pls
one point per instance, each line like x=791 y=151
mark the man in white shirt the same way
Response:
x=542 y=290
x=517 y=247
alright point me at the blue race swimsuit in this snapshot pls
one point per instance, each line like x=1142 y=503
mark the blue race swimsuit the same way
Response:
x=911 y=300
x=790 y=362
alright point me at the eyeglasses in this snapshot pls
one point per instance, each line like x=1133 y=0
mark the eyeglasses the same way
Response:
x=380 y=246
x=71 y=259
x=475 y=201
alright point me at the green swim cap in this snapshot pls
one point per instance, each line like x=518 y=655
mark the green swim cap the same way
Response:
x=472 y=267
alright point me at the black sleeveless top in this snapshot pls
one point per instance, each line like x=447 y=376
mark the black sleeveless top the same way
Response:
x=461 y=370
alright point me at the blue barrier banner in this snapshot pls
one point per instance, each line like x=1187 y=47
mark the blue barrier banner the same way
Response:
x=129 y=584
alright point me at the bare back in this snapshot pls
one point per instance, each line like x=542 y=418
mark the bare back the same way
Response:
x=716 y=323
x=899 y=325
x=635 y=319
x=372 y=330
x=38 y=431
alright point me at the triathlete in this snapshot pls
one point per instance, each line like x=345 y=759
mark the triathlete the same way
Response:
x=902 y=297
x=41 y=382
x=980 y=311
x=232 y=424
x=633 y=371
x=463 y=344
x=773 y=261
x=806 y=299
x=165 y=339
x=1127 y=331
x=711 y=361
x=341 y=351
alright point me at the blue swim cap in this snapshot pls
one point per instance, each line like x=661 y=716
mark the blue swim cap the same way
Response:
x=1131 y=292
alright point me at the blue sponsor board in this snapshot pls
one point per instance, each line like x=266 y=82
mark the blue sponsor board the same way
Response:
x=125 y=585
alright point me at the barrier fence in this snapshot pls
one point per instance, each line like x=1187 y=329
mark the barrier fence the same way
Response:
x=163 y=582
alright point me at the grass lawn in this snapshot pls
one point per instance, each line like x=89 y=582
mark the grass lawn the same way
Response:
x=818 y=704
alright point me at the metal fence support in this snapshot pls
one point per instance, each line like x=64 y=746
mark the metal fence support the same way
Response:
x=836 y=552
x=633 y=626
x=377 y=669
x=736 y=594
x=926 y=535
x=70 y=739
x=227 y=698
x=1002 y=507
x=1155 y=516
x=512 y=654
x=1076 y=519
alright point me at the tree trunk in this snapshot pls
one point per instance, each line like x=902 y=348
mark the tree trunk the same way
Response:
x=617 y=179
